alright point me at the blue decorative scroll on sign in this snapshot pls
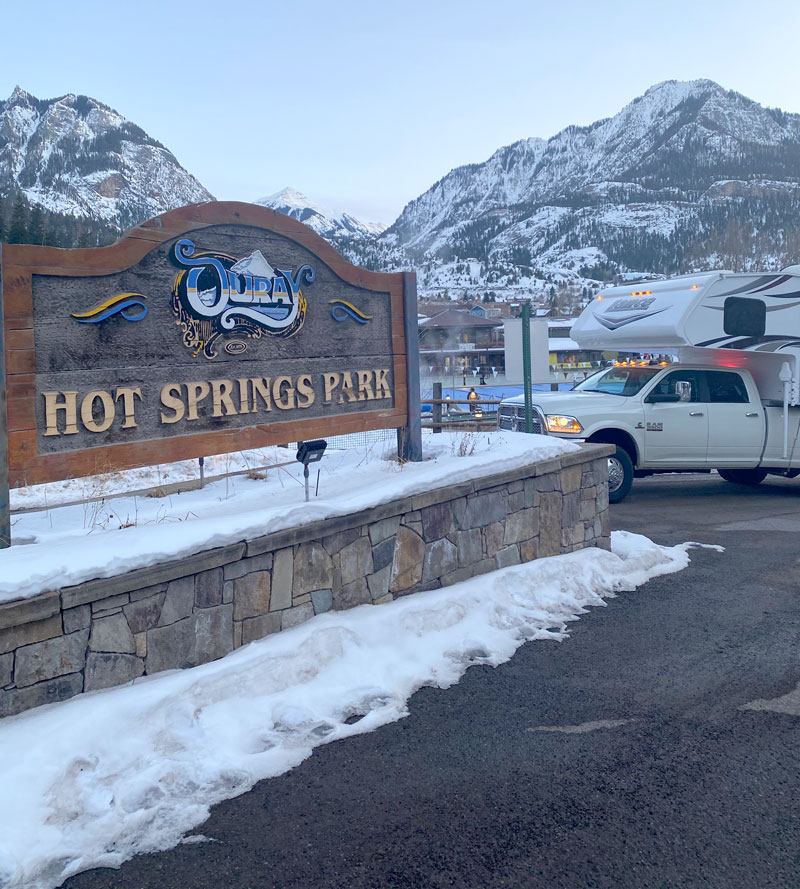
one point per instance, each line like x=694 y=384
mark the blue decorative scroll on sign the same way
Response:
x=342 y=310
x=117 y=305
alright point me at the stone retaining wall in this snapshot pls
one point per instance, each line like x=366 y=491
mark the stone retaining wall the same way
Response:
x=109 y=631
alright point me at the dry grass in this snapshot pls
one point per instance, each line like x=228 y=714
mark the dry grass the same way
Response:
x=465 y=445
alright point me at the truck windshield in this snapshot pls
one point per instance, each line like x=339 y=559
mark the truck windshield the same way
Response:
x=619 y=380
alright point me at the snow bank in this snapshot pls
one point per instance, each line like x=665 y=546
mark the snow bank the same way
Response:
x=104 y=776
x=70 y=544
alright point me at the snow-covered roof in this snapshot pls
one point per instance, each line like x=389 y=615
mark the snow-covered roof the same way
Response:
x=459 y=318
x=562 y=344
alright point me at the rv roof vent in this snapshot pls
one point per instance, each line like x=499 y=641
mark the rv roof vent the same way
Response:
x=791 y=270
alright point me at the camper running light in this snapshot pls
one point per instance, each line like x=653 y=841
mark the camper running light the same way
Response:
x=556 y=423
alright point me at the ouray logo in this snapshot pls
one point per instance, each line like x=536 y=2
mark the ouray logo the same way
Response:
x=218 y=294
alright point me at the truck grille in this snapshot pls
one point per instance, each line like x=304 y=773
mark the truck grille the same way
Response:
x=512 y=417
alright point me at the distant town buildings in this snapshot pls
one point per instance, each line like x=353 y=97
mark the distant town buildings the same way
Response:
x=470 y=343
x=456 y=341
x=486 y=311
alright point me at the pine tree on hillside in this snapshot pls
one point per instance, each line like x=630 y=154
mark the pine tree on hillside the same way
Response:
x=36 y=225
x=56 y=235
x=84 y=237
x=18 y=227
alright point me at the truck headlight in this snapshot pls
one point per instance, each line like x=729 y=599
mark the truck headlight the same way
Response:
x=556 y=423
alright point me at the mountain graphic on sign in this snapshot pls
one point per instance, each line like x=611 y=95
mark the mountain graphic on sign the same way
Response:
x=254 y=264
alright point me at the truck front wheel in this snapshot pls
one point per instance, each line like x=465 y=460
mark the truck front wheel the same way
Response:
x=620 y=475
x=743 y=476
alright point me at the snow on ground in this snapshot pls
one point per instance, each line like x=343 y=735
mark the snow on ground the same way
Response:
x=99 y=778
x=66 y=545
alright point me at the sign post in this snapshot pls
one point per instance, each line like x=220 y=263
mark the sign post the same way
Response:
x=409 y=439
x=5 y=506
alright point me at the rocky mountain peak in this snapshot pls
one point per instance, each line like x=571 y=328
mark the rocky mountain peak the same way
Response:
x=334 y=225
x=19 y=97
x=673 y=182
x=74 y=155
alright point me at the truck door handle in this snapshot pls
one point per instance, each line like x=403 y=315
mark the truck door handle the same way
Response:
x=752 y=414
x=695 y=413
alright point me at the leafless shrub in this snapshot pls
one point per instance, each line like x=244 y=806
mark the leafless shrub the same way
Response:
x=465 y=445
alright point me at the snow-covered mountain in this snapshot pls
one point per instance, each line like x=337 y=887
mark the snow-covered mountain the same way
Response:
x=687 y=176
x=330 y=224
x=75 y=156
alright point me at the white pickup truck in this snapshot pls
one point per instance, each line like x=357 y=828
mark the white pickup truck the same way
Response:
x=732 y=403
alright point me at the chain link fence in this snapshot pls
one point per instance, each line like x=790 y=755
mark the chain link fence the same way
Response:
x=361 y=440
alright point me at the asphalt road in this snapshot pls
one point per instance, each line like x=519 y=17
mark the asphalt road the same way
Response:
x=666 y=783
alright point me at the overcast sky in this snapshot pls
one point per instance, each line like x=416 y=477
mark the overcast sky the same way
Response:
x=362 y=104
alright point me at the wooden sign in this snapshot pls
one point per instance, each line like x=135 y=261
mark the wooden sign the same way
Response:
x=212 y=328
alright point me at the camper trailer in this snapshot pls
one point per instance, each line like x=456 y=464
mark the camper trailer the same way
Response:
x=730 y=402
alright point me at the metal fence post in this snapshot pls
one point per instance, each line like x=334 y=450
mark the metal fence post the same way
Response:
x=437 y=408
x=409 y=438
x=526 y=364
x=5 y=506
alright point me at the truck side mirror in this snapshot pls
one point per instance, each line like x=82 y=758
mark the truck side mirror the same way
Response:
x=683 y=389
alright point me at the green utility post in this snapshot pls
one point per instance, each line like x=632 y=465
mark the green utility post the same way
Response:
x=409 y=438
x=526 y=364
x=5 y=506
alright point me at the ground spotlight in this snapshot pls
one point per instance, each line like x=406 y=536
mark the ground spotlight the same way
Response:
x=310 y=452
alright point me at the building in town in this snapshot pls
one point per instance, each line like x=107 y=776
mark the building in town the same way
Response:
x=565 y=356
x=456 y=341
x=486 y=311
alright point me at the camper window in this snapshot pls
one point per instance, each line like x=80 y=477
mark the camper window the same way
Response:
x=744 y=317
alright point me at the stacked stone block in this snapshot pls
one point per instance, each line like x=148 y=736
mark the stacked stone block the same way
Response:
x=110 y=631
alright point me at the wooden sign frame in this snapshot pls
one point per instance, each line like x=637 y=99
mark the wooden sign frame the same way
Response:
x=19 y=266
